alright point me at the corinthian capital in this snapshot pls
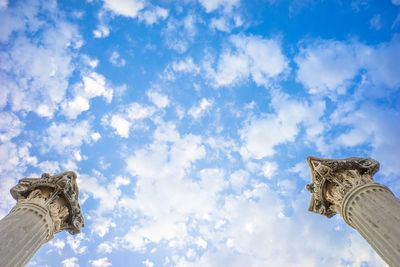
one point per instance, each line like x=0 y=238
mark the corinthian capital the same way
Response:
x=333 y=179
x=58 y=194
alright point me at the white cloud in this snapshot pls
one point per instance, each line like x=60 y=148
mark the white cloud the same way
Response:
x=187 y=65
x=211 y=5
x=376 y=22
x=127 y=8
x=260 y=59
x=51 y=167
x=120 y=125
x=220 y=24
x=107 y=195
x=116 y=60
x=180 y=33
x=70 y=262
x=3 y=4
x=58 y=244
x=92 y=63
x=66 y=136
x=101 y=226
x=261 y=135
x=269 y=169
x=257 y=234
x=160 y=100
x=94 y=85
x=102 y=262
x=95 y=136
x=10 y=126
x=238 y=179
x=375 y=126
x=396 y=2
x=198 y=110
x=76 y=106
x=396 y=21
x=148 y=263
x=153 y=15
x=105 y=247
x=382 y=63
x=14 y=160
x=132 y=114
x=13 y=19
x=327 y=66
x=165 y=195
x=303 y=170
x=35 y=72
x=101 y=31
x=75 y=243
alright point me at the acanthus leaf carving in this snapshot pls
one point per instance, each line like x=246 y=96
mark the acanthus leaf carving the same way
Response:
x=332 y=179
x=58 y=194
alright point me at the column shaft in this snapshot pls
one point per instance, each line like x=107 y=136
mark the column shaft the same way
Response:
x=22 y=232
x=374 y=212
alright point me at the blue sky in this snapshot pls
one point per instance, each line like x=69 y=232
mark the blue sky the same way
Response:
x=189 y=123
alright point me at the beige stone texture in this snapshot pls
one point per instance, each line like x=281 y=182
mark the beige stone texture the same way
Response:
x=45 y=206
x=346 y=187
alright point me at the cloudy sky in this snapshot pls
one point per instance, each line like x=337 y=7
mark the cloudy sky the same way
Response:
x=189 y=123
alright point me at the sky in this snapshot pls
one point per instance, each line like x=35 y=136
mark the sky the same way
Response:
x=189 y=123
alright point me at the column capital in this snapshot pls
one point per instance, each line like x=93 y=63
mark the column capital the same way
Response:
x=332 y=179
x=58 y=194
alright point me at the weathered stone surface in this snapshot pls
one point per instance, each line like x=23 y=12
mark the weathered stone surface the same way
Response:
x=332 y=179
x=346 y=187
x=45 y=206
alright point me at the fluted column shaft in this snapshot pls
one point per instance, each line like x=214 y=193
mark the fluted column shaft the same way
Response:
x=346 y=186
x=374 y=212
x=22 y=232
x=45 y=206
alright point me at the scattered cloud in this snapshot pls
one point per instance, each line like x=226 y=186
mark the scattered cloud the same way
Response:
x=47 y=166
x=102 y=31
x=70 y=262
x=153 y=15
x=122 y=122
x=379 y=128
x=330 y=66
x=200 y=161
x=255 y=57
x=102 y=262
x=105 y=247
x=212 y=5
x=327 y=65
x=75 y=243
x=198 y=110
x=262 y=134
x=179 y=34
x=269 y=169
x=148 y=263
x=66 y=136
x=376 y=22
x=220 y=24
x=127 y=8
x=116 y=60
x=158 y=99
x=10 y=126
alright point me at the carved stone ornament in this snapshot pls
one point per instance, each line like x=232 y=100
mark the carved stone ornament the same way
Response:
x=333 y=179
x=58 y=194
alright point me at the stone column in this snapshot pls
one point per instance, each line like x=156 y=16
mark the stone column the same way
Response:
x=346 y=187
x=45 y=206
